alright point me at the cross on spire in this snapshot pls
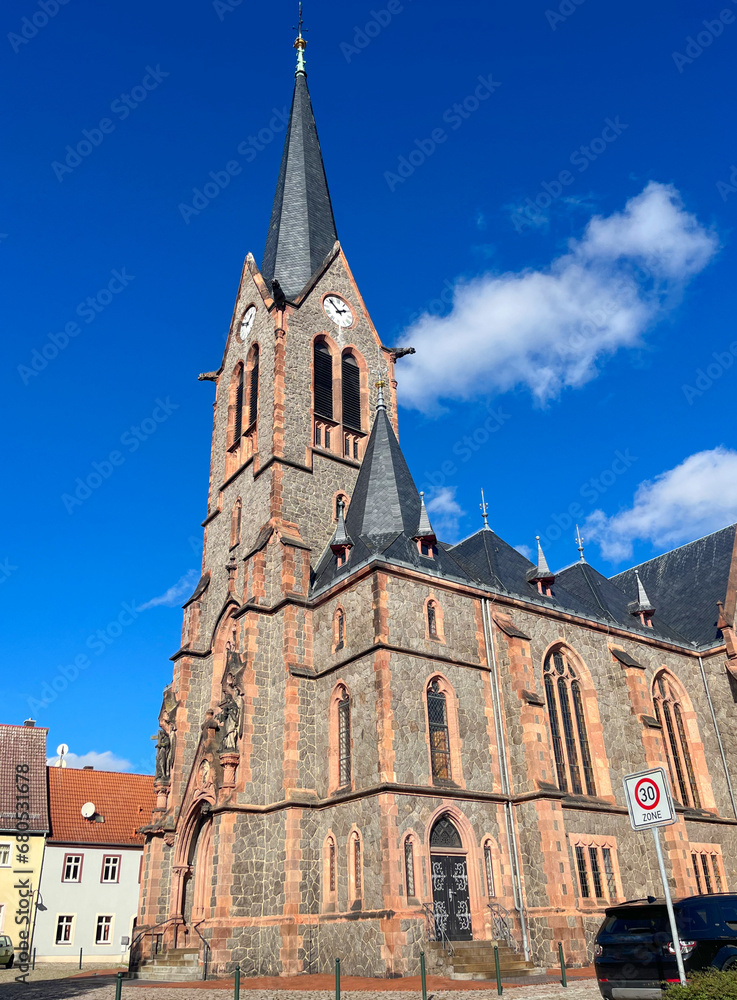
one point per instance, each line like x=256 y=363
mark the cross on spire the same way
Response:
x=484 y=508
x=580 y=540
x=300 y=43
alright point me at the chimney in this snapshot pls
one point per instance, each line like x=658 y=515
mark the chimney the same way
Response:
x=30 y=723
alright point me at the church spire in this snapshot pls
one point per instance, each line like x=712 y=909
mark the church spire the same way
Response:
x=302 y=228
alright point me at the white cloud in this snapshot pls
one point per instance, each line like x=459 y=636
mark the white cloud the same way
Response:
x=693 y=499
x=174 y=596
x=105 y=761
x=445 y=512
x=525 y=550
x=550 y=329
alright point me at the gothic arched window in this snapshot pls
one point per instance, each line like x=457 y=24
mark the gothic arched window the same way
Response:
x=323 y=380
x=669 y=713
x=489 y=869
x=238 y=405
x=409 y=867
x=339 y=629
x=343 y=708
x=235 y=523
x=351 y=392
x=437 y=717
x=568 y=725
x=253 y=385
x=432 y=620
x=355 y=879
x=445 y=834
x=331 y=865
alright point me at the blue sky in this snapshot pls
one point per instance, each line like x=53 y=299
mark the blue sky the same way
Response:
x=474 y=256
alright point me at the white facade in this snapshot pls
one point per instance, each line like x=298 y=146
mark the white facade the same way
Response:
x=91 y=900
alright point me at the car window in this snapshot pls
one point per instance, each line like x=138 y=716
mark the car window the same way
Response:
x=727 y=913
x=694 y=919
x=636 y=922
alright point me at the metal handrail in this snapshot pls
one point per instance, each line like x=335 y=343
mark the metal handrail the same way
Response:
x=207 y=949
x=152 y=930
x=435 y=932
x=501 y=925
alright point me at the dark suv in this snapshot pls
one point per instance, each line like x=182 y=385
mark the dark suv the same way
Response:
x=634 y=955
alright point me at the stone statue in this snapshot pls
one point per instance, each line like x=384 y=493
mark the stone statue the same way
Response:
x=163 y=756
x=230 y=718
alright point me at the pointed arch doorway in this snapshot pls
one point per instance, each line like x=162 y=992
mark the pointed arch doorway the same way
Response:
x=449 y=872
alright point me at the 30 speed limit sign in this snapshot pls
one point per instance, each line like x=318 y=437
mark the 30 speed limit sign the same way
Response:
x=648 y=799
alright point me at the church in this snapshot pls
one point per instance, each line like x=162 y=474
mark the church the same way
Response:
x=375 y=743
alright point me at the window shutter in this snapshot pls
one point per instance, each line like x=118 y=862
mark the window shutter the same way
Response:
x=238 y=407
x=253 y=389
x=351 y=392
x=323 y=373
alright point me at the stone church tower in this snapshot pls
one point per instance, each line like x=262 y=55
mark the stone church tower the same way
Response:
x=373 y=740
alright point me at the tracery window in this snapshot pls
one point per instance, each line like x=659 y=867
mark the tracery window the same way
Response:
x=437 y=715
x=409 y=867
x=668 y=712
x=344 y=738
x=568 y=726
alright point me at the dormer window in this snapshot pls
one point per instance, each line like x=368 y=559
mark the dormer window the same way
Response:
x=427 y=548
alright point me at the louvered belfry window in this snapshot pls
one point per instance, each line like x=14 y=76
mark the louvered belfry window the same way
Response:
x=253 y=387
x=238 y=423
x=344 y=739
x=567 y=719
x=323 y=374
x=437 y=717
x=351 y=379
x=669 y=715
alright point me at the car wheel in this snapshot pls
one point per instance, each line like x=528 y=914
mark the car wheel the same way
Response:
x=10 y=962
x=731 y=964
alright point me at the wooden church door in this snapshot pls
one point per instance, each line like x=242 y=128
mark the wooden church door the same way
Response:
x=449 y=873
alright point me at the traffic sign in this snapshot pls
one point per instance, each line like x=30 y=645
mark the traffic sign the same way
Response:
x=649 y=800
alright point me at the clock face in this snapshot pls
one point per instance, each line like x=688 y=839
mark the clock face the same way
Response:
x=337 y=310
x=247 y=322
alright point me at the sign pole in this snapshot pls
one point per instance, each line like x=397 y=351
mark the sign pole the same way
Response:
x=669 y=905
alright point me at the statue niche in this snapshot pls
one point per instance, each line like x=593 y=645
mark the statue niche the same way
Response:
x=230 y=716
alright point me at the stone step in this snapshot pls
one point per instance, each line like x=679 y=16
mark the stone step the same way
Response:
x=167 y=975
x=506 y=967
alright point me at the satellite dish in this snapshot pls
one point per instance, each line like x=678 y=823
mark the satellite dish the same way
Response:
x=62 y=750
x=88 y=810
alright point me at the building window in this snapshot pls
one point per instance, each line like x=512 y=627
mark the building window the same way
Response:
x=323 y=381
x=344 y=739
x=357 y=881
x=5 y=855
x=351 y=394
x=253 y=386
x=707 y=871
x=331 y=865
x=72 y=871
x=597 y=878
x=64 y=927
x=568 y=726
x=409 y=867
x=437 y=716
x=669 y=714
x=238 y=406
x=103 y=931
x=339 y=629
x=110 y=868
x=432 y=620
x=427 y=548
x=488 y=870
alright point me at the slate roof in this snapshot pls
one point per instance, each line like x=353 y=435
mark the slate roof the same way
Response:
x=685 y=584
x=125 y=801
x=384 y=515
x=20 y=746
x=302 y=228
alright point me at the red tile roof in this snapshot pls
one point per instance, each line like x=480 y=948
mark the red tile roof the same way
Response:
x=124 y=801
x=23 y=746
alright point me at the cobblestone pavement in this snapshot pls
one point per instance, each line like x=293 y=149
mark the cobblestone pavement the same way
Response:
x=90 y=989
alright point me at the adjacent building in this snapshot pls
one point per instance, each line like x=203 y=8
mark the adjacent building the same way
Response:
x=24 y=823
x=372 y=737
x=92 y=866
